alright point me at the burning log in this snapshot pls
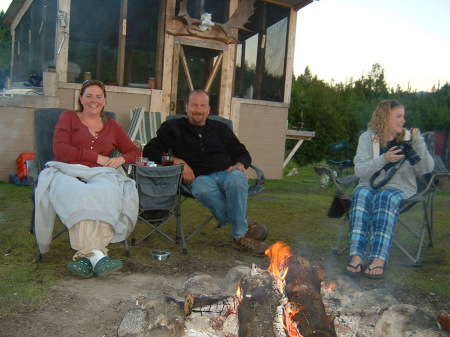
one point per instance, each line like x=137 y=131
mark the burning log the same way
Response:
x=302 y=287
x=259 y=310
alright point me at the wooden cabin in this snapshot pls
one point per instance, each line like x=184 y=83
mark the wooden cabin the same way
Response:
x=152 y=53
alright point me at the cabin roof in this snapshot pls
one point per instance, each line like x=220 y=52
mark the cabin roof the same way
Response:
x=16 y=5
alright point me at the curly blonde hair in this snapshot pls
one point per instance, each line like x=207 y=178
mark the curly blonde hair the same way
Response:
x=380 y=121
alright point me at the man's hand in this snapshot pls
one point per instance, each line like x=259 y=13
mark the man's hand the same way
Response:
x=188 y=173
x=238 y=166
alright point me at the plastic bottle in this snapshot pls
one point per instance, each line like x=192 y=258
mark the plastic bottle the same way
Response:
x=87 y=76
x=151 y=83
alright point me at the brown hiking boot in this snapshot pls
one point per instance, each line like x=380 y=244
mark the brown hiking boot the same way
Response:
x=250 y=245
x=256 y=231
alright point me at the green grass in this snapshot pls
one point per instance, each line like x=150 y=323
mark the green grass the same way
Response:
x=294 y=210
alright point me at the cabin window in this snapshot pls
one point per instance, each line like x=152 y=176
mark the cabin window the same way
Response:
x=93 y=44
x=34 y=42
x=97 y=46
x=261 y=55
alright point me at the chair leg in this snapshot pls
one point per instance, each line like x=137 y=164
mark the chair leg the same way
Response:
x=38 y=254
x=430 y=218
x=426 y=228
x=200 y=227
x=127 y=248
x=337 y=246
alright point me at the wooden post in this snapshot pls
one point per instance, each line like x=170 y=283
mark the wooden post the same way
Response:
x=122 y=42
x=62 y=41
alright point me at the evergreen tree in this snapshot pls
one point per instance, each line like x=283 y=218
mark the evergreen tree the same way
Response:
x=341 y=111
x=5 y=44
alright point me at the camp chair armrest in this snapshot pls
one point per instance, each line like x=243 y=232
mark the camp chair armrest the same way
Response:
x=348 y=180
x=435 y=178
x=260 y=180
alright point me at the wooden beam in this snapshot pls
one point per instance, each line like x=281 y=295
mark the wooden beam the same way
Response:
x=62 y=42
x=213 y=74
x=160 y=45
x=186 y=69
x=289 y=63
x=122 y=42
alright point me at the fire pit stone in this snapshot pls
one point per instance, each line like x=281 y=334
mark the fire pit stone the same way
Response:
x=406 y=320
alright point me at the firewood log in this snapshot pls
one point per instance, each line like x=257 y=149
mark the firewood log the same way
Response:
x=258 y=312
x=303 y=289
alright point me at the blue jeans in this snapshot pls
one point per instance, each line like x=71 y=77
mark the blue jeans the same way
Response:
x=225 y=194
x=374 y=213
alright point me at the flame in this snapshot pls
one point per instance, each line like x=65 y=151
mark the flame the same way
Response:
x=290 y=310
x=327 y=289
x=279 y=253
x=332 y=286
x=238 y=292
x=237 y=299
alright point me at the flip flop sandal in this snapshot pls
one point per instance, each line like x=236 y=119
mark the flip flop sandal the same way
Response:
x=375 y=276
x=82 y=267
x=106 y=266
x=355 y=273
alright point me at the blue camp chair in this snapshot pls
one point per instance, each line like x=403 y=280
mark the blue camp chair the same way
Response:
x=44 y=126
x=338 y=158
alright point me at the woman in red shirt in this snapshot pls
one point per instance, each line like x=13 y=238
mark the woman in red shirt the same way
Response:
x=97 y=203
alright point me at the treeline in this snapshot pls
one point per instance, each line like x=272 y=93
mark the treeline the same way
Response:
x=5 y=44
x=338 y=112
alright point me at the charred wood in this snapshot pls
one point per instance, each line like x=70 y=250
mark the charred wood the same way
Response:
x=209 y=305
x=259 y=310
x=302 y=287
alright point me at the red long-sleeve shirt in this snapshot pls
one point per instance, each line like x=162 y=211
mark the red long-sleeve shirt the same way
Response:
x=74 y=144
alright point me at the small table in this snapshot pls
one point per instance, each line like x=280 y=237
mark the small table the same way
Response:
x=301 y=136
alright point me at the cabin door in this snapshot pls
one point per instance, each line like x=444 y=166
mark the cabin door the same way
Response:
x=197 y=65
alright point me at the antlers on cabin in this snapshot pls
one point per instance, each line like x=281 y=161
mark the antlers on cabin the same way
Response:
x=239 y=18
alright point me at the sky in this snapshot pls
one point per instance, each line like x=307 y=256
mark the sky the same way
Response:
x=340 y=40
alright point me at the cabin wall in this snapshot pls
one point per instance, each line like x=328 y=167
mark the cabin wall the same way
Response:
x=261 y=126
x=16 y=136
x=17 y=117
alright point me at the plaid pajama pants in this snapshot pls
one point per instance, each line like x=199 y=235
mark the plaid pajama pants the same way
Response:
x=374 y=213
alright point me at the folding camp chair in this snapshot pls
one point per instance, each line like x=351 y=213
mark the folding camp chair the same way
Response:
x=44 y=126
x=143 y=125
x=257 y=187
x=337 y=152
x=416 y=213
x=159 y=192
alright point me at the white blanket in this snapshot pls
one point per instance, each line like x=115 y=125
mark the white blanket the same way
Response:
x=103 y=194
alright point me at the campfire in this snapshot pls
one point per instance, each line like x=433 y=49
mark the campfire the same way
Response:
x=283 y=301
x=289 y=299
